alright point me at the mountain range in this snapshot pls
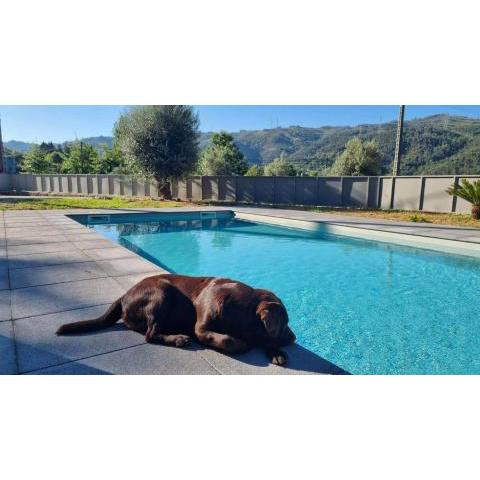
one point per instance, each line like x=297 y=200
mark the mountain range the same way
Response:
x=439 y=144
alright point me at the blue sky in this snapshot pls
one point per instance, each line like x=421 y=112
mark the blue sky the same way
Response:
x=63 y=122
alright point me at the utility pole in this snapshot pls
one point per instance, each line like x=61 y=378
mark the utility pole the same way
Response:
x=398 y=143
x=1 y=149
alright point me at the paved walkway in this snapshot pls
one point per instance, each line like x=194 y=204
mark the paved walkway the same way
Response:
x=54 y=270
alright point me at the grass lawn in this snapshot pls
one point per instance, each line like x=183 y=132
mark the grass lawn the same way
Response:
x=34 y=203
x=78 y=202
x=457 y=219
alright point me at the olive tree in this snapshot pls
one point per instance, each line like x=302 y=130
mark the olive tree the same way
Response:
x=161 y=139
x=279 y=167
x=358 y=158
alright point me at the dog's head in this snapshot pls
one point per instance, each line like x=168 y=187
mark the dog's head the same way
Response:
x=274 y=318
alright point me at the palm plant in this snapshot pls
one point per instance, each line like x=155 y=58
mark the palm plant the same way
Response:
x=469 y=192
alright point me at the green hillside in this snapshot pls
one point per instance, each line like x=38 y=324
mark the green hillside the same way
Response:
x=440 y=144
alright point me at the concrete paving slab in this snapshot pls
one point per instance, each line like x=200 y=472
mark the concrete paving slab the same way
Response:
x=39 y=347
x=40 y=248
x=4 y=284
x=46 y=259
x=128 y=281
x=5 y=305
x=8 y=364
x=33 y=239
x=29 y=277
x=26 y=224
x=144 y=359
x=32 y=301
x=110 y=253
x=94 y=244
x=255 y=362
x=81 y=235
x=126 y=266
x=27 y=232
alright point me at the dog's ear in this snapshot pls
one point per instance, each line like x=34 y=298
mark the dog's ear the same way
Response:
x=268 y=314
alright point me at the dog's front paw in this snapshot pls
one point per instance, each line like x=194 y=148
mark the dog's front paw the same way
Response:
x=279 y=358
x=182 y=340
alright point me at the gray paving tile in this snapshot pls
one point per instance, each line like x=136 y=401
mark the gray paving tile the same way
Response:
x=128 y=281
x=12 y=233
x=40 y=248
x=83 y=234
x=109 y=253
x=28 y=277
x=94 y=244
x=32 y=239
x=45 y=259
x=4 y=279
x=26 y=224
x=127 y=266
x=255 y=362
x=39 y=347
x=144 y=359
x=32 y=301
x=8 y=365
x=5 y=308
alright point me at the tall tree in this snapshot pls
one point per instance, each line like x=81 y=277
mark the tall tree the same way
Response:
x=280 y=167
x=81 y=158
x=222 y=157
x=109 y=160
x=358 y=158
x=161 y=139
x=254 y=171
x=36 y=161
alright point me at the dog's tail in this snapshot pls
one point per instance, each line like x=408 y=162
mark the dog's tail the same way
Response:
x=110 y=317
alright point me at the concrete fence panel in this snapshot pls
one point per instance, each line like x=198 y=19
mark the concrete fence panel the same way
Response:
x=407 y=193
x=435 y=197
x=306 y=191
x=5 y=182
x=209 y=188
x=284 y=190
x=264 y=189
x=373 y=192
x=385 y=193
x=196 y=193
x=330 y=191
x=245 y=190
x=355 y=191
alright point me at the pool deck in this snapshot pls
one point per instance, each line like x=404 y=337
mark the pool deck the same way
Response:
x=54 y=270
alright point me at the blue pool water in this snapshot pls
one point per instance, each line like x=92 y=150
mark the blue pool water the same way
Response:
x=370 y=308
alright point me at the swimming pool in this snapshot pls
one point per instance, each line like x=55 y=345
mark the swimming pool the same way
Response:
x=368 y=307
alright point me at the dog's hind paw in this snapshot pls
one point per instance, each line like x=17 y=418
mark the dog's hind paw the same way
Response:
x=182 y=340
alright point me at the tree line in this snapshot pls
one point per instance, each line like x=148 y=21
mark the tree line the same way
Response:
x=161 y=141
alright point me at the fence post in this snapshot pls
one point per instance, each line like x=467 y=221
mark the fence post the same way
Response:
x=454 y=197
x=341 y=191
x=367 y=196
x=392 y=193
x=422 y=192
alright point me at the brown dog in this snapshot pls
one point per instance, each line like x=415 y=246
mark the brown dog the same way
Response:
x=220 y=313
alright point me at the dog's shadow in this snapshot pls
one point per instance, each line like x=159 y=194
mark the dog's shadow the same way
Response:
x=299 y=360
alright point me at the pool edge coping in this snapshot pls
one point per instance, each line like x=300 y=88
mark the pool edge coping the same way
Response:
x=438 y=244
